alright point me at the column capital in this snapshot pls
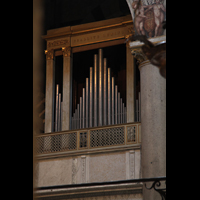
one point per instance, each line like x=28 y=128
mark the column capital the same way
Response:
x=66 y=51
x=139 y=55
x=49 y=54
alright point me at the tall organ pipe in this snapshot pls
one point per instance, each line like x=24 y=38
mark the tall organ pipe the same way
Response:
x=56 y=117
x=91 y=98
x=83 y=119
x=105 y=82
x=78 y=116
x=113 y=101
x=59 y=113
x=81 y=112
x=95 y=90
x=87 y=103
x=100 y=87
x=109 y=97
x=116 y=107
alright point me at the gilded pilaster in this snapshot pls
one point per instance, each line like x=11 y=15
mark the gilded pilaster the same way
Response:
x=67 y=88
x=49 y=54
x=49 y=97
x=66 y=51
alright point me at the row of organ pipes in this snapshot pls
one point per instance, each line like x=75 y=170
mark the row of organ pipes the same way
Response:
x=100 y=104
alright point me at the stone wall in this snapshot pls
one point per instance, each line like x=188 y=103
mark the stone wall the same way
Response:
x=99 y=167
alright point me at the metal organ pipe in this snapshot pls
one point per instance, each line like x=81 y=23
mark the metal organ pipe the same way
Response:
x=109 y=97
x=87 y=103
x=100 y=87
x=59 y=111
x=83 y=119
x=56 y=117
x=105 y=82
x=81 y=112
x=91 y=98
x=113 y=101
x=116 y=107
x=95 y=90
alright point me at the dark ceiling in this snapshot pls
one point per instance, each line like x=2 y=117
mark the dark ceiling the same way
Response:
x=61 y=13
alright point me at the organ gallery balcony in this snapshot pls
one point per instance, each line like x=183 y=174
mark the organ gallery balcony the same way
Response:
x=90 y=155
x=89 y=140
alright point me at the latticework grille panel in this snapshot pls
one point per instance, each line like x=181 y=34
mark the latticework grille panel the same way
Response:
x=56 y=143
x=131 y=133
x=89 y=139
x=107 y=137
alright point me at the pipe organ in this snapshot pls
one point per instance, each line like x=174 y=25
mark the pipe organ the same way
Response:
x=100 y=103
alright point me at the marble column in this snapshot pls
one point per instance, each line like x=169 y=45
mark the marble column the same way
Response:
x=67 y=88
x=130 y=100
x=153 y=122
x=49 y=97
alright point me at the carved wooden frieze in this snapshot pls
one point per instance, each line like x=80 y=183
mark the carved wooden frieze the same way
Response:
x=55 y=44
x=100 y=36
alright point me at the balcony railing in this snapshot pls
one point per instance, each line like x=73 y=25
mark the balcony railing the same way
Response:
x=90 y=138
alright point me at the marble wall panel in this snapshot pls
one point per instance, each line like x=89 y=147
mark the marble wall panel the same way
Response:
x=54 y=172
x=107 y=167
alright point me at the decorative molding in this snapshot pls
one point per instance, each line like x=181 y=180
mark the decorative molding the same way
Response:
x=131 y=134
x=49 y=54
x=101 y=36
x=132 y=164
x=55 y=43
x=74 y=170
x=92 y=27
x=139 y=55
x=125 y=191
x=83 y=169
x=66 y=51
x=146 y=62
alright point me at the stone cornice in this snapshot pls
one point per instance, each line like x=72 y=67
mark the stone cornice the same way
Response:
x=91 y=191
x=101 y=150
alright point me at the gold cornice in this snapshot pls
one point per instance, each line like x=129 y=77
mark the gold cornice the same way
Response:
x=73 y=30
x=103 y=27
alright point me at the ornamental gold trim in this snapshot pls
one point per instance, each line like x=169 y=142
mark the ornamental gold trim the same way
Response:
x=49 y=54
x=66 y=51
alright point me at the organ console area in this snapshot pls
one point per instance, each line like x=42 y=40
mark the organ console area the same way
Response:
x=100 y=89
